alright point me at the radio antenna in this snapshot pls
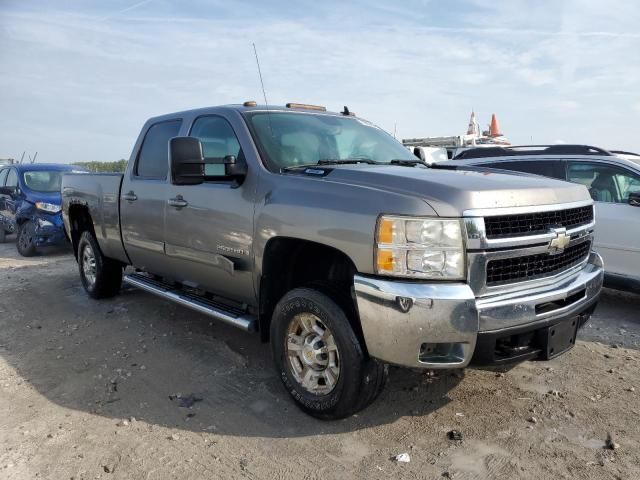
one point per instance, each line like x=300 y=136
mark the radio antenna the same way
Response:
x=264 y=93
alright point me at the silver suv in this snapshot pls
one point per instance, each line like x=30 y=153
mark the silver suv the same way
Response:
x=613 y=180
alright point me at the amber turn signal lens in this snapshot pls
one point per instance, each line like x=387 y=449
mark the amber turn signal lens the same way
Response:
x=385 y=231
x=385 y=261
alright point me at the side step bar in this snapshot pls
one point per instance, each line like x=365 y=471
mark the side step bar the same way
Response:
x=200 y=304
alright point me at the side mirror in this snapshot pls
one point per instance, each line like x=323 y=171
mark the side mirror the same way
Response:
x=190 y=167
x=187 y=161
x=234 y=168
x=634 y=199
x=8 y=191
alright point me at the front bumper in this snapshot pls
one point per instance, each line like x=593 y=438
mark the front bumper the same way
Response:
x=49 y=229
x=443 y=325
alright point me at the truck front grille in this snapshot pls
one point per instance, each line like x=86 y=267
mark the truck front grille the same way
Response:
x=519 y=269
x=539 y=222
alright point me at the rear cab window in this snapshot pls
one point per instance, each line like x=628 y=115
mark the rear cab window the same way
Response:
x=153 y=158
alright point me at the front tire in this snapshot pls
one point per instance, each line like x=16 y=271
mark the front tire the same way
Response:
x=26 y=239
x=101 y=276
x=319 y=357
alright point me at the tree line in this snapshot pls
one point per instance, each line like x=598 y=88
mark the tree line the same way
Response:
x=118 y=166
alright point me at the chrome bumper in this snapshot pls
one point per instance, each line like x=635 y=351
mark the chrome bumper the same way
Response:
x=436 y=325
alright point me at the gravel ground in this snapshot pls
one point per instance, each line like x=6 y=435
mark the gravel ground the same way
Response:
x=93 y=389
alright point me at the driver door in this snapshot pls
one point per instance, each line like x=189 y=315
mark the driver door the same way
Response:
x=209 y=227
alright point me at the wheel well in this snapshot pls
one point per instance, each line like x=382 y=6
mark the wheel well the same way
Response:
x=290 y=263
x=79 y=222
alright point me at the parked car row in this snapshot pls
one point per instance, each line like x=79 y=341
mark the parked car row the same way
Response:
x=323 y=234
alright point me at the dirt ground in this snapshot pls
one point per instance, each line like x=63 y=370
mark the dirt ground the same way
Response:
x=88 y=390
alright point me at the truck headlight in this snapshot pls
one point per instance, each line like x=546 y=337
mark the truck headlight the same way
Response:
x=420 y=248
x=48 y=207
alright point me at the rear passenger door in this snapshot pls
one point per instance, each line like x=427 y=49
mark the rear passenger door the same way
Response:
x=143 y=196
x=617 y=232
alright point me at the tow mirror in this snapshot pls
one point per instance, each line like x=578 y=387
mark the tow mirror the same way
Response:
x=190 y=167
x=187 y=161
x=234 y=168
x=634 y=199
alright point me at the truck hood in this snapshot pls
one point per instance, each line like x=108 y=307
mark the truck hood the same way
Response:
x=451 y=192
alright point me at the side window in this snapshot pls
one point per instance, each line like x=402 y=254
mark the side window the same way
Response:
x=3 y=176
x=606 y=183
x=218 y=141
x=153 y=159
x=12 y=178
x=545 y=168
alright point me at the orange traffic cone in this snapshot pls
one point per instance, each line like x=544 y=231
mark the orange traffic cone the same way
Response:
x=494 y=129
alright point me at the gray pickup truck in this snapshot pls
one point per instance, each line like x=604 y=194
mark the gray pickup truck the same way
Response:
x=323 y=234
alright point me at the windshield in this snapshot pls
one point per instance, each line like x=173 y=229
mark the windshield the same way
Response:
x=292 y=139
x=43 y=181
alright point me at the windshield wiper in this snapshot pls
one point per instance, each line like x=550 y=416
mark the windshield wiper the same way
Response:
x=345 y=161
x=334 y=161
x=407 y=162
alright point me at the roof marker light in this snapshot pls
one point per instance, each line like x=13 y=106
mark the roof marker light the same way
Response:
x=307 y=107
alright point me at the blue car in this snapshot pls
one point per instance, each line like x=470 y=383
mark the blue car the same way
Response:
x=30 y=205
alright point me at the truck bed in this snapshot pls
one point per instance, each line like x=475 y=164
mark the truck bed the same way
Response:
x=99 y=193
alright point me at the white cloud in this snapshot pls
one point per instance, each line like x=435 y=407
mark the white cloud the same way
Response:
x=91 y=78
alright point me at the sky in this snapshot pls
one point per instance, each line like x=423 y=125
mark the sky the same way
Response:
x=79 y=78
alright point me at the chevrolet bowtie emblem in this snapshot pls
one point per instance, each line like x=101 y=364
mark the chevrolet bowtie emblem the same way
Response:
x=560 y=242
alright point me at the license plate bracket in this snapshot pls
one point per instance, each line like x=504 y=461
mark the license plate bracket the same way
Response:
x=561 y=337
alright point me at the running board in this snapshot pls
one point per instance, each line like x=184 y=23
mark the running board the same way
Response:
x=221 y=312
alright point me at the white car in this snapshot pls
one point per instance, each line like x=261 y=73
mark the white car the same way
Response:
x=612 y=178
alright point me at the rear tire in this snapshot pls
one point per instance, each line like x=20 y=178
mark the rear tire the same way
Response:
x=3 y=235
x=319 y=358
x=26 y=239
x=101 y=276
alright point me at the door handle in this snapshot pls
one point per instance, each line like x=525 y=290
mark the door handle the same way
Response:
x=130 y=197
x=177 y=202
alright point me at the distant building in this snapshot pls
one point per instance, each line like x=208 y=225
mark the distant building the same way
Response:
x=7 y=161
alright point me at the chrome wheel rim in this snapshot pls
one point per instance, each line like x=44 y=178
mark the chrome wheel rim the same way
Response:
x=89 y=265
x=312 y=354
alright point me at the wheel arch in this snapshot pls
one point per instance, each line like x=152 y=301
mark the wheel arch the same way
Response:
x=290 y=263
x=79 y=221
